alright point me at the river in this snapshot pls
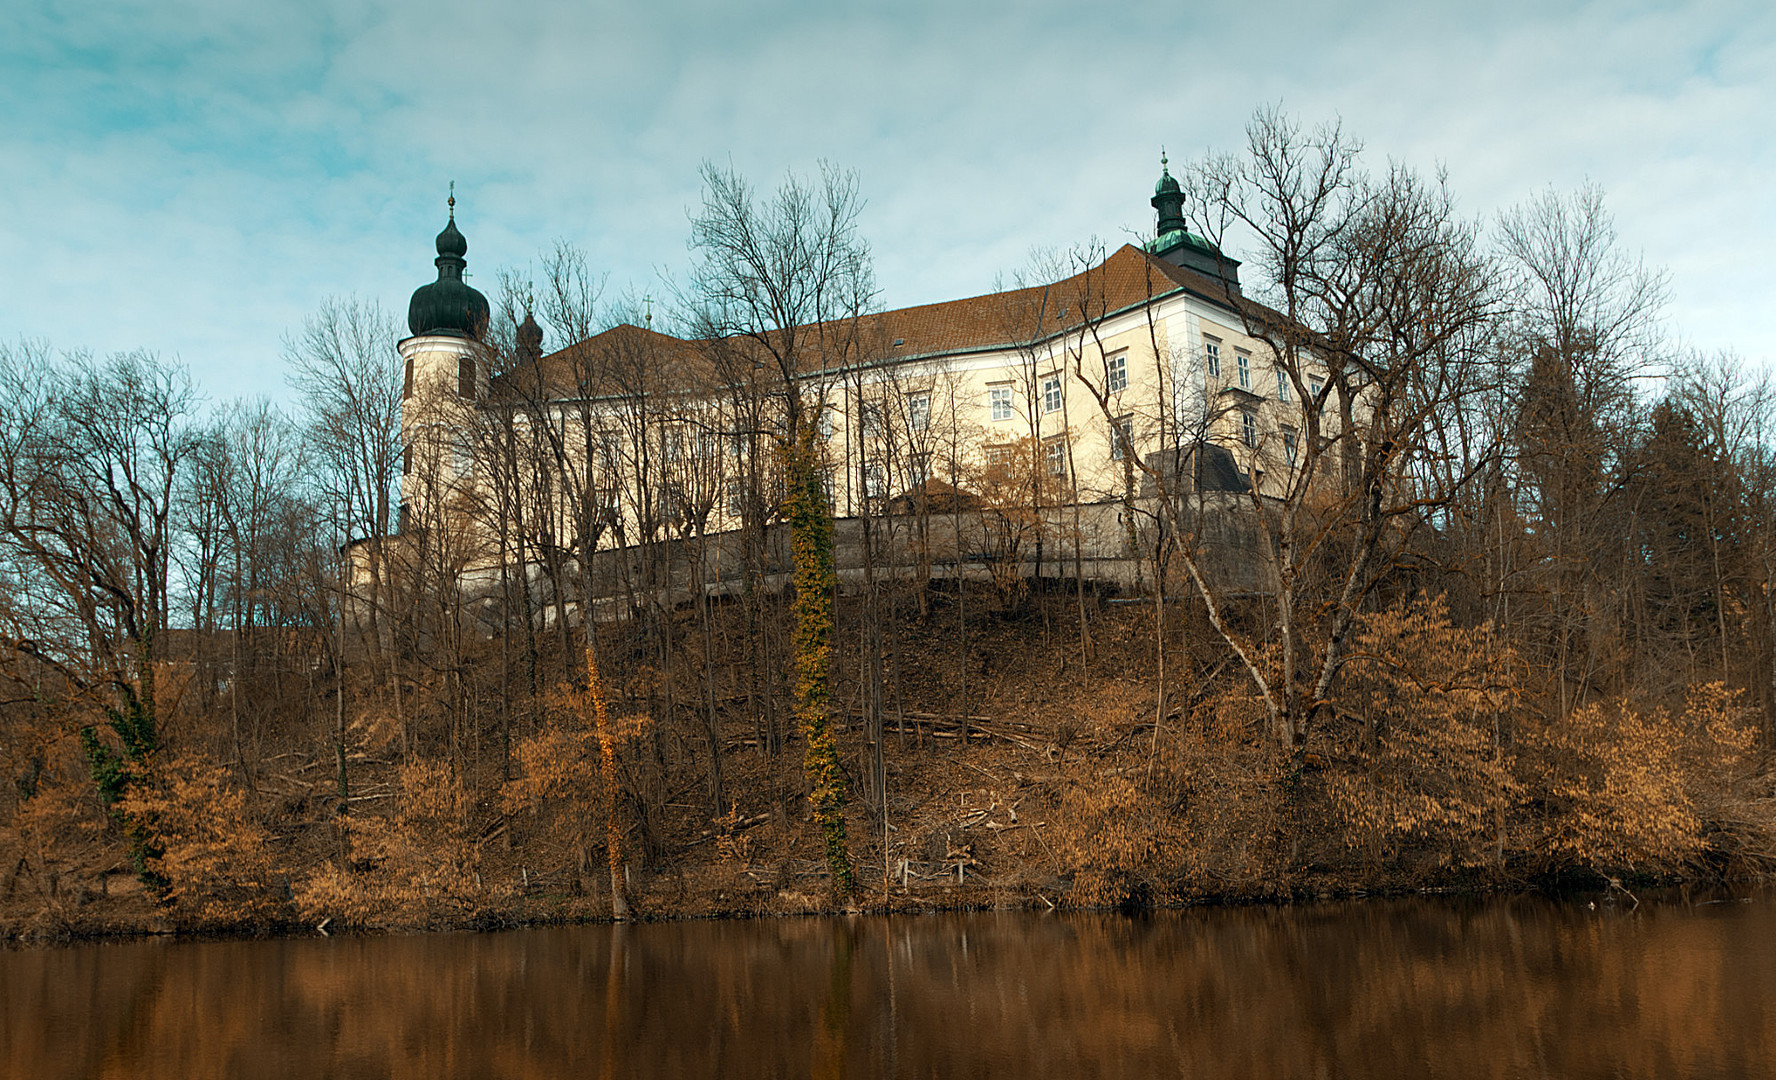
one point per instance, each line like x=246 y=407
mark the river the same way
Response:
x=1512 y=987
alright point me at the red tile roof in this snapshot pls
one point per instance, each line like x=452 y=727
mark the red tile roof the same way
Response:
x=999 y=320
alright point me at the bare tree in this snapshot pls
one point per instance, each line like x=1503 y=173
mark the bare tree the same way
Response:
x=1377 y=291
x=781 y=283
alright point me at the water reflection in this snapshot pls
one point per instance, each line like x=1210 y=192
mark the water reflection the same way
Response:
x=1514 y=988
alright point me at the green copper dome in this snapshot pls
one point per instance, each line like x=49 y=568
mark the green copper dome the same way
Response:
x=1168 y=199
x=448 y=305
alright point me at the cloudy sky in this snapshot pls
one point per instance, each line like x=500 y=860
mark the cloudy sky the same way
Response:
x=196 y=176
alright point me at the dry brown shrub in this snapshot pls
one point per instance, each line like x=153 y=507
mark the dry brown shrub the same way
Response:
x=560 y=791
x=56 y=836
x=1199 y=813
x=418 y=866
x=1413 y=762
x=207 y=844
x=1627 y=791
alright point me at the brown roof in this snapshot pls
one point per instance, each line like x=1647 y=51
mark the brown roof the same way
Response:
x=999 y=320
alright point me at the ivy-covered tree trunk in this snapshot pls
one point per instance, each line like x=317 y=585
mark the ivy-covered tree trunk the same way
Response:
x=811 y=540
x=113 y=772
x=607 y=755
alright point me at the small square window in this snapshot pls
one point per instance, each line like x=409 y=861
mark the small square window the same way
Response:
x=1051 y=394
x=1212 y=354
x=999 y=402
x=1116 y=373
x=1245 y=371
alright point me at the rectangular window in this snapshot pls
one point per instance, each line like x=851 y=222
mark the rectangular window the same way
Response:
x=1249 y=428
x=1122 y=437
x=1245 y=371
x=827 y=425
x=1054 y=454
x=736 y=499
x=875 y=483
x=407 y=461
x=407 y=381
x=465 y=377
x=918 y=412
x=462 y=458
x=1212 y=354
x=1051 y=394
x=1314 y=385
x=1282 y=385
x=1289 y=446
x=999 y=402
x=999 y=458
x=872 y=419
x=1116 y=373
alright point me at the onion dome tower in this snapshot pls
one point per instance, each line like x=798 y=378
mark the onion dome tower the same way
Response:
x=1176 y=244
x=446 y=371
x=448 y=305
x=530 y=340
x=1168 y=200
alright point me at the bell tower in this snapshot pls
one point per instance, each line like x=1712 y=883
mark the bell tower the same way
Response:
x=446 y=364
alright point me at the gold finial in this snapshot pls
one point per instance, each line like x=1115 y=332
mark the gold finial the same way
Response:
x=451 y=202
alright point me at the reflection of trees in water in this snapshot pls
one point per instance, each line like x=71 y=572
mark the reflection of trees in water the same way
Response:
x=1496 y=988
x=831 y=1041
